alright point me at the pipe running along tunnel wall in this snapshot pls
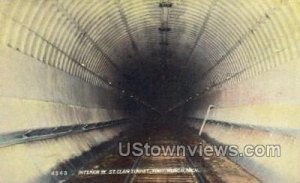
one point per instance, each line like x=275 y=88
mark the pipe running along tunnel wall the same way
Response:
x=65 y=64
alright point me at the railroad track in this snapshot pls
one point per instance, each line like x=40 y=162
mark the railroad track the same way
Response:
x=210 y=169
x=164 y=163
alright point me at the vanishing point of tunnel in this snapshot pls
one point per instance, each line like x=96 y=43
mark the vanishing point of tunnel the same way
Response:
x=155 y=91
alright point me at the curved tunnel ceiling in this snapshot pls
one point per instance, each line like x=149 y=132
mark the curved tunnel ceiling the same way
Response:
x=75 y=66
x=220 y=42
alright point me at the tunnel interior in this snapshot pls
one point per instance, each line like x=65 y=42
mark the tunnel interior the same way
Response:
x=77 y=76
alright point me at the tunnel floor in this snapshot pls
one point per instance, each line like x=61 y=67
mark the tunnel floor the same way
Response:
x=114 y=167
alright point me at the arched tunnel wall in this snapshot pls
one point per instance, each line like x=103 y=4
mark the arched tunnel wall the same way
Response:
x=258 y=111
x=61 y=63
x=37 y=96
x=43 y=86
x=259 y=102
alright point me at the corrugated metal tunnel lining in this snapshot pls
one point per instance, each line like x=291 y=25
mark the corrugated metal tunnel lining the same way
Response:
x=71 y=69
